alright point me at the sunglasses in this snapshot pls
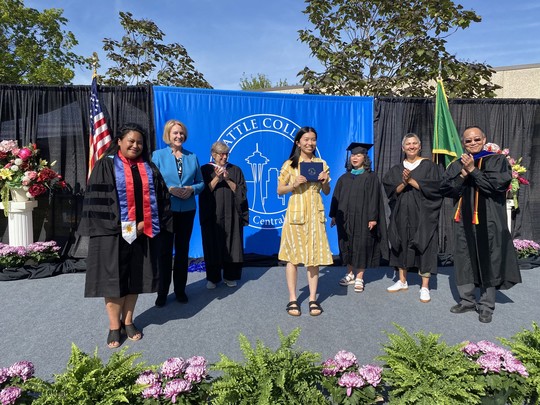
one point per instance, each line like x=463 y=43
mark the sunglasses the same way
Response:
x=473 y=140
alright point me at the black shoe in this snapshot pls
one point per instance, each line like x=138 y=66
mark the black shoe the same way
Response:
x=461 y=309
x=182 y=298
x=485 y=316
x=161 y=300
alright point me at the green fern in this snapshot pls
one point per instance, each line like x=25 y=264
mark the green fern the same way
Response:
x=420 y=370
x=286 y=376
x=87 y=381
x=526 y=347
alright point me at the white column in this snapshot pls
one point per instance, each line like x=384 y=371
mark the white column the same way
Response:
x=20 y=222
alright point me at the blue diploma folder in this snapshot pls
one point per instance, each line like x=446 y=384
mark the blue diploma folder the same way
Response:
x=311 y=170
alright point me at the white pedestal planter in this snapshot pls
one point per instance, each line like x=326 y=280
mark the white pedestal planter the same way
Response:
x=509 y=207
x=20 y=223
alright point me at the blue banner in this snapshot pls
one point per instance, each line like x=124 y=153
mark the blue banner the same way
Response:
x=259 y=129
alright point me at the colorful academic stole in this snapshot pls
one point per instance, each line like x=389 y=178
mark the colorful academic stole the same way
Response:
x=457 y=215
x=126 y=198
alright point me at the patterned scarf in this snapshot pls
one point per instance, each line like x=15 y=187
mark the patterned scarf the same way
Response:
x=126 y=198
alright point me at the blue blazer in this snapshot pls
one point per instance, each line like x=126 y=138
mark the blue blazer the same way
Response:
x=191 y=176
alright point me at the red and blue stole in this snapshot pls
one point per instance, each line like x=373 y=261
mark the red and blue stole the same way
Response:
x=126 y=198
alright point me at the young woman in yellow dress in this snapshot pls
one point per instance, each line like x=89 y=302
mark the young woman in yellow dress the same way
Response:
x=303 y=237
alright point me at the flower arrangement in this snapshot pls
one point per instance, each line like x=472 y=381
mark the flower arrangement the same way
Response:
x=503 y=374
x=179 y=381
x=348 y=383
x=517 y=170
x=23 y=168
x=14 y=256
x=526 y=248
x=12 y=380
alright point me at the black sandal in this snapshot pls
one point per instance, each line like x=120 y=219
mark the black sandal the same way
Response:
x=315 y=306
x=293 y=306
x=132 y=332
x=113 y=337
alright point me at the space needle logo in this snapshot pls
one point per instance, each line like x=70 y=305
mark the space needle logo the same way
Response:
x=259 y=144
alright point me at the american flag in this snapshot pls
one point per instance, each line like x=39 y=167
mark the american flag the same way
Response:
x=100 y=137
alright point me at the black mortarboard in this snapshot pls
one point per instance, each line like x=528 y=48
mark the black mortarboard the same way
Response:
x=356 y=147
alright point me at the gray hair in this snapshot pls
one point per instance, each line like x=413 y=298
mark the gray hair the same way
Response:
x=219 y=147
x=410 y=135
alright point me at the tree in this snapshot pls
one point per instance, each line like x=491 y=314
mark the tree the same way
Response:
x=390 y=48
x=261 y=81
x=141 y=57
x=34 y=49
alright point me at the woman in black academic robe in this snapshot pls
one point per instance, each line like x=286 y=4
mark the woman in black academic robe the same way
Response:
x=358 y=214
x=412 y=188
x=126 y=209
x=223 y=213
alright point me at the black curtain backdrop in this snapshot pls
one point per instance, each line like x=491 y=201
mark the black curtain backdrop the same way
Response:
x=57 y=119
x=510 y=123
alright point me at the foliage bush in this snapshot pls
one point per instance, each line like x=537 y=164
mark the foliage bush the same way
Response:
x=421 y=370
x=526 y=347
x=286 y=376
x=87 y=381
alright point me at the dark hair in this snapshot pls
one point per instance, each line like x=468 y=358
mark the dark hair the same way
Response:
x=366 y=164
x=294 y=156
x=474 y=127
x=122 y=132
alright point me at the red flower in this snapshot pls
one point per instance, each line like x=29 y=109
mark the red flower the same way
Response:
x=37 y=189
x=523 y=180
x=25 y=153
x=46 y=174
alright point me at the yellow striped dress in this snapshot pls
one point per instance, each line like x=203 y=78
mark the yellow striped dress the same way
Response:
x=303 y=236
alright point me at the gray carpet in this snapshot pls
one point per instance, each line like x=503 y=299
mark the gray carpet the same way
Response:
x=41 y=318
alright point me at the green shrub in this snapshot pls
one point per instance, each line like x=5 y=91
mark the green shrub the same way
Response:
x=526 y=347
x=285 y=376
x=420 y=370
x=87 y=381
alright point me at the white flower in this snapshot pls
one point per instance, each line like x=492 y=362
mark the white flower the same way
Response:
x=18 y=161
x=14 y=168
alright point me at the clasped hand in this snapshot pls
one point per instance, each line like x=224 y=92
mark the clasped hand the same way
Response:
x=468 y=162
x=181 y=192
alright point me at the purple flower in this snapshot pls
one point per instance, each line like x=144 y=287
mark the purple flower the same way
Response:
x=9 y=395
x=197 y=361
x=176 y=387
x=173 y=367
x=489 y=347
x=330 y=368
x=371 y=373
x=490 y=362
x=153 y=391
x=345 y=359
x=513 y=365
x=22 y=369
x=147 y=377
x=351 y=380
x=195 y=373
x=471 y=349
x=4 y=375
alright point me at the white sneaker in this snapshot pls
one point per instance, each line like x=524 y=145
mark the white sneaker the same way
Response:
x=424 y=295
x=230 y=283
x=210 y=285
x=398 y=286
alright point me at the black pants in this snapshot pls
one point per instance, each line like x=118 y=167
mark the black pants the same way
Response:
x=182 y=229
x=231 y=271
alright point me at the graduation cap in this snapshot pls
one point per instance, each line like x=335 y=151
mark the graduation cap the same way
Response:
x=356 y=147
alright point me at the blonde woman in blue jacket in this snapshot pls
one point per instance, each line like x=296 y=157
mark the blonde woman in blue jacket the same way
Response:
x=181 y=171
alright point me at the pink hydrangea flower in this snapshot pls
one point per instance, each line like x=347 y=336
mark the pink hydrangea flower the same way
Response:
x=345 y=359
x=175 y=387
x=371 y=374
x=23 y=369
x=351 y=380
x=173 y=367
x=9 y=395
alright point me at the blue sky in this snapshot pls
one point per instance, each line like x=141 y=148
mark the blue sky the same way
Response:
x=227 y=38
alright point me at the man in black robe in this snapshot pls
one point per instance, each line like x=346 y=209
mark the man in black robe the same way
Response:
x=484 y=254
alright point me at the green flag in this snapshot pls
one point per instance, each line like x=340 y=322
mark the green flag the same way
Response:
x=446 y=139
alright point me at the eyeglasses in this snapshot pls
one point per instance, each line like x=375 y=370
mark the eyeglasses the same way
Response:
x=472 y=140
x=222 y=153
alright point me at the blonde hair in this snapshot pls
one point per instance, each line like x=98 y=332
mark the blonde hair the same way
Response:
x=167 y=129
x=219 y=147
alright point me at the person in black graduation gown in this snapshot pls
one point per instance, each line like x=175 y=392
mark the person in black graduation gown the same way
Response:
x=413 y=192
x=223 y=213
x=125 y=211
x=358 y=213
x=484 y=254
